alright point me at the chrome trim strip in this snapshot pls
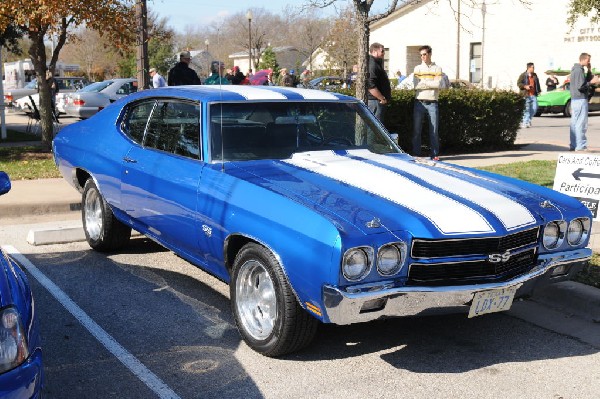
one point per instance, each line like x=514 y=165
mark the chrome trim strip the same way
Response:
x=344 y=306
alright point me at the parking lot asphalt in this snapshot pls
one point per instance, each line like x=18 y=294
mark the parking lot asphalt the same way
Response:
x=545 y=140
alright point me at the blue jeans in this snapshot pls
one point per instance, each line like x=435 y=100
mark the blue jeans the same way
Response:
x=431 y=109
x=579 y=124
x=377 y=109
x=531 y=106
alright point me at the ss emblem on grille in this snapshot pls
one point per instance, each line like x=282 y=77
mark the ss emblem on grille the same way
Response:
x=497 y=258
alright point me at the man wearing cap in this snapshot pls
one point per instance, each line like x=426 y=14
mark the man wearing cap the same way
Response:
x=216 y=74
x=157 y=79
x=181 y=73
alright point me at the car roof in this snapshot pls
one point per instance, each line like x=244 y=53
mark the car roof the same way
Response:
x=215 y=93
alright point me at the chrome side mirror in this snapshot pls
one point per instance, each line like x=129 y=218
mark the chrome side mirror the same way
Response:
x=394 y=137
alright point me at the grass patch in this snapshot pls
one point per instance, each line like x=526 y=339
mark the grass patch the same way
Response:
x=537 y=172
x=27 y=163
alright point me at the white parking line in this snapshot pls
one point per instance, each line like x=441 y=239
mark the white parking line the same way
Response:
x=131 y=362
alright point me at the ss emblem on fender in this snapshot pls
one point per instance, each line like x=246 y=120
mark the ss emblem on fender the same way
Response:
x=496 y=258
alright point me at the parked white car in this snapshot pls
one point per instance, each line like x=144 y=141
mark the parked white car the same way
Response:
x=66 y=85
x=93 y=98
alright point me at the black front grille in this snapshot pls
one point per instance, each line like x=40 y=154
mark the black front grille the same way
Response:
x=481 y=271
x=422 y=249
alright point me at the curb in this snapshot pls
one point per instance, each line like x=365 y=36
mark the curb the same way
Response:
x=572 y=298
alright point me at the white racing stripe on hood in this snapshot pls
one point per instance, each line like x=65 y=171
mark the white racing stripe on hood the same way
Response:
x=448 y=215
x=510 y=213
x=315 y=94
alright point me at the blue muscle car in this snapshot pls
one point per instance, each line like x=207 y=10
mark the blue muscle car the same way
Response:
x=301 y=201
x=21 y=372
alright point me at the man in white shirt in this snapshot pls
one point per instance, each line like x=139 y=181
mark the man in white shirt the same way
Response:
x=157 y=80
x=427 y=80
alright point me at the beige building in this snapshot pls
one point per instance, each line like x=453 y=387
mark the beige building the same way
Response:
x=495 y=41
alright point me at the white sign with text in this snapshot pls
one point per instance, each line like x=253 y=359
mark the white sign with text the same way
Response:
x=578 y=175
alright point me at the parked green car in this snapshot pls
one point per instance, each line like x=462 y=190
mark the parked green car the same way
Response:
x=559 y=101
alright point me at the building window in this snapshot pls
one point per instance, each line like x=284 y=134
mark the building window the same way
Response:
x=475 y=63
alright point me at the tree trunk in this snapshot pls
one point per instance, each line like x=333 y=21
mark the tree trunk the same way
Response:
x=363 y=53
x=37 y=51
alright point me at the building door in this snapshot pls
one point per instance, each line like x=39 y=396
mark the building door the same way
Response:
x=475 y=63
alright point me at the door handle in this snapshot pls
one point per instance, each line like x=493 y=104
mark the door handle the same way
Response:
x=129 y=160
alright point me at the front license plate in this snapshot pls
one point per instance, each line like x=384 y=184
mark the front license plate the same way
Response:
x=492 y=301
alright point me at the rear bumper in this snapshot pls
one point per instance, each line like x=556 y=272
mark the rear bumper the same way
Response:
x=348 y=306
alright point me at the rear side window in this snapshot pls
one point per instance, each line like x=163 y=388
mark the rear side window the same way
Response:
x=174 y=127
x=135 y=120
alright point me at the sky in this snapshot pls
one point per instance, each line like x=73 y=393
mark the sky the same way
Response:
x=203 y=12
x=181 y=13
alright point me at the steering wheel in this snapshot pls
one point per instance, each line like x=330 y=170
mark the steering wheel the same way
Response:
x=338 y=140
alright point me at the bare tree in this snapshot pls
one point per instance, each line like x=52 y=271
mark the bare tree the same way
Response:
x=342 y=42
x=362 y=10
x=306 y=31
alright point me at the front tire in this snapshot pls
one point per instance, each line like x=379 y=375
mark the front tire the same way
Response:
x=265 y=309
x=103 y=231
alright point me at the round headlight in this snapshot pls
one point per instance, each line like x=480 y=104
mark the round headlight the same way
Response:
x=356 y=264
x=575 y=232
x=390 y=258
x=553 y=235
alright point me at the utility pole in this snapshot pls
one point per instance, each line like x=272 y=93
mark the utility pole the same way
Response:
x=143 y=79
x=2 y=107
x=458 y=41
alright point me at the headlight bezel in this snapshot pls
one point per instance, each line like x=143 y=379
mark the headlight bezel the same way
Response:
x=12 y=332
x=401 y=249
x=556 y=240
x=585 y=225
x=367 y=252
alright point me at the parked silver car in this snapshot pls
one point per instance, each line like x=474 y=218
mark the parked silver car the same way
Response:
x=12 y=95
x=66 y=85
x=93 y=98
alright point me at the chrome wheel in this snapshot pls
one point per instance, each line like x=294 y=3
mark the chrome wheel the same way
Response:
x=256 y=300
x=92 y=209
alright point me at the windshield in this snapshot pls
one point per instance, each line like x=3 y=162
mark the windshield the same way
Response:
x=96 y=87
x=276 y=130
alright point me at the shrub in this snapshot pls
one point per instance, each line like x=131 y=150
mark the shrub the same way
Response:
x=470 y=120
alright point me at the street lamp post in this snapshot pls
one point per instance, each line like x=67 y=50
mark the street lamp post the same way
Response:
x=249 y=16
x=206 y=42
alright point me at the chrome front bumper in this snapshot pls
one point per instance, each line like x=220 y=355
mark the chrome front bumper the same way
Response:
x=368 y=302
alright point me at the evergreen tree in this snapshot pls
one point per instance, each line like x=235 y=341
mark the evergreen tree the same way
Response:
x=268 y=60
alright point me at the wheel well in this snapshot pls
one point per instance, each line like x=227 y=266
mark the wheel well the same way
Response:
x=233 y=245
x=81 y=177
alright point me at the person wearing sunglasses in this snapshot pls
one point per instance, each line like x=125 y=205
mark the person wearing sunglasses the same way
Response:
x=427 y=82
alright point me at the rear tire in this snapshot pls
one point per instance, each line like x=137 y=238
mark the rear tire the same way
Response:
x=567 y=111
x=266 y=312
x=103 y=231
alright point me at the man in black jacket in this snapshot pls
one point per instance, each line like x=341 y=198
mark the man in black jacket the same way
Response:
x=529 y=86
x=181 y=73
x=378 y=83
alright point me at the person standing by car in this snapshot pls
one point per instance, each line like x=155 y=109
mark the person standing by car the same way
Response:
x=580 y=88
x=216 y=74
x=157 y=79
x=181 y=73
x=427 y=80
x=529 y=85
x=378 y=84
x=551 y=82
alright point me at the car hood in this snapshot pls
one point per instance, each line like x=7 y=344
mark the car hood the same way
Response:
x=555 y=96
x=376 y=193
